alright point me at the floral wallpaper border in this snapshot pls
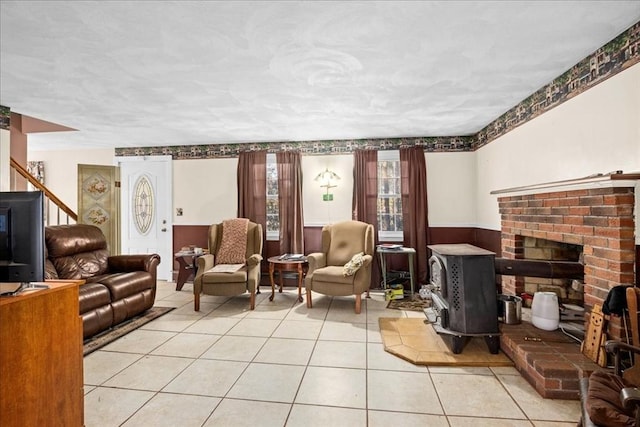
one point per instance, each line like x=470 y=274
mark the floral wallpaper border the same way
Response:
x=5 y=117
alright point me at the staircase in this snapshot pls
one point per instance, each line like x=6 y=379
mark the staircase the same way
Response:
x=56 y=212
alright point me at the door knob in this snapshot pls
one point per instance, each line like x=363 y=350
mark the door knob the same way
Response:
x=163 y=229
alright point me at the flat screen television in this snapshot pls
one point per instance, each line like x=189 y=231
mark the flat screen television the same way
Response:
x=21 y=238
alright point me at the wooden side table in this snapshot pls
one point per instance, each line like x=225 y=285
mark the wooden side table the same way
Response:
x=283 y=264
x=186 y=268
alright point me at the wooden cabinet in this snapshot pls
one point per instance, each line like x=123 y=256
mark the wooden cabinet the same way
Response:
x=41 y=376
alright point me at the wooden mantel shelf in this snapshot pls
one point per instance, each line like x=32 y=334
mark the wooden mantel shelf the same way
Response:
x=599 y=180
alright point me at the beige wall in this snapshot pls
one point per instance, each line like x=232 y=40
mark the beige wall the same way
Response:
x=595 y=132
x=5 y=160
x=61 y=170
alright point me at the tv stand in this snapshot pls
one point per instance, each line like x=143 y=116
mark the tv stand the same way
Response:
x=41 y=359
x=24 y=286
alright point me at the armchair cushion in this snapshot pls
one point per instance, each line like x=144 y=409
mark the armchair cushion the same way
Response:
x=353 y=264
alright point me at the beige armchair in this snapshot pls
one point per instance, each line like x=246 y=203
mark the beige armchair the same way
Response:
x=247 y=279
x=340 y=242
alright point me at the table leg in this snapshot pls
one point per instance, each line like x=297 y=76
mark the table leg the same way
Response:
x=273 y=285
x=299 y=282
x=411 y=272
x=183 y=273
x=383 y=268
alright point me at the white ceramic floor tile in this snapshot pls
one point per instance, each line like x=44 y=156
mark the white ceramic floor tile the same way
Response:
x=286 y=351
x=207 y=378
x=106 y=407
x=170 y=410
x=340 y=354
x=140 y=341
x=402 y=392
x=212 y=325
x=341 y=313
x=254 y=327
x=470 y=370
x=333 y=387
x=537 y=408
x=268 y=311
x=338 y=331
x=252 y=366
x=378 y=358
x=388 y=418
x=99 y=366
x=186 y=345
x=373 y=316
x=170 y=322
x=149 y=373
x=189 y=309
x=268 y=382
x=298 y=329
x=230 y=347
x=493 y=422
x=490 y=399
x=552 y=424
x=249 y=413
x=373 y=333
x=302 y=313
x=322 y=416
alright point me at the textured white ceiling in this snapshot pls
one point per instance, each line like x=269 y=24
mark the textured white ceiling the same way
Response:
x=141 y=73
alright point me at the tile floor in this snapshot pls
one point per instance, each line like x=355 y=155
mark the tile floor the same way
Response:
x=283 y=364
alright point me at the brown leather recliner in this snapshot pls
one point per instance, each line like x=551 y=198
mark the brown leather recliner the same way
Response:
x=117 y=287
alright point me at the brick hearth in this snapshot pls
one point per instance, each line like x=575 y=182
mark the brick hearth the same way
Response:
x=553 y=365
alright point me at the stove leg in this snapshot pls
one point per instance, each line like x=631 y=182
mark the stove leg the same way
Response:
x=457 y=343
x=493 y=342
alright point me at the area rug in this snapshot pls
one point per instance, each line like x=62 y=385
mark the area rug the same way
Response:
x=416 y=341
x=410 y=304
x=98 y=341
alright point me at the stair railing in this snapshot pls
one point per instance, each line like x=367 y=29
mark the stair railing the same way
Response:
x=61 y=211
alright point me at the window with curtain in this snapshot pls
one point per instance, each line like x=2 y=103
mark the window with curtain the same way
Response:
x=390 y=224
x=273 y=208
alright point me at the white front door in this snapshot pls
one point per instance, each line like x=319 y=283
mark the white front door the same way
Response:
x=147 y=225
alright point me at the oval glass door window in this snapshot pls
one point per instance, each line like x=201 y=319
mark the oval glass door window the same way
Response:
x=143 y=204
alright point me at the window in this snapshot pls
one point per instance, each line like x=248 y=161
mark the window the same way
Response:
x=389 y=196
x=273 y=211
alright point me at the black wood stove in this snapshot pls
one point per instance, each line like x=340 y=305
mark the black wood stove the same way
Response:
x=464 y=295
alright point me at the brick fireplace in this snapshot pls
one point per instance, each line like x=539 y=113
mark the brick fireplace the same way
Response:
x=598 y=219
x=594 y=216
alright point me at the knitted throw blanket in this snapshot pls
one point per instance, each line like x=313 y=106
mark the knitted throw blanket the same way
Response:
x=233 y=246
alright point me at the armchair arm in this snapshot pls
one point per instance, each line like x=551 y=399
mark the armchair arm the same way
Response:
x=630 y=397
x=316 y=260
x=615 y=347
x=126 y=263
x=254 y=259
x=205 y=262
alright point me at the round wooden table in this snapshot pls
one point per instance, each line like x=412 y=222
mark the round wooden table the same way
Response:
x=282 y=265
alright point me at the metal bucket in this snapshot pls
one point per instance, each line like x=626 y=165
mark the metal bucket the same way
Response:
x=509 y=309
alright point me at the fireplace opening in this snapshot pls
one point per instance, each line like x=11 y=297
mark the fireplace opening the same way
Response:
x=569 y=291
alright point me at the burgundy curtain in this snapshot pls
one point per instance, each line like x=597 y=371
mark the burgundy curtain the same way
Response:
x=290 y=202
x=415 y=216
x=252 y=187
x=365 y=199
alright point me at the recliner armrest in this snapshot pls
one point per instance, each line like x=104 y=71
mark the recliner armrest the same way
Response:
x=127 y=263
